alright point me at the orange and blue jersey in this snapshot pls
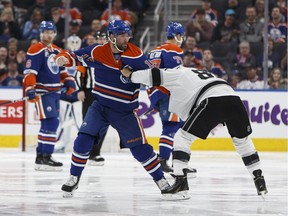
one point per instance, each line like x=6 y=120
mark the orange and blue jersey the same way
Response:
x=277 y=31
x=109 y=89
x=164 y=56
x=40 y=64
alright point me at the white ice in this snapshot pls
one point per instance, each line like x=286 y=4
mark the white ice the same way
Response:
x=122 y=187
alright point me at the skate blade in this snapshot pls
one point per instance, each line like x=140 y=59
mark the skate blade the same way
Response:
x=47 y=168
x=182 y=195
x=67 y=194
x=95 y=163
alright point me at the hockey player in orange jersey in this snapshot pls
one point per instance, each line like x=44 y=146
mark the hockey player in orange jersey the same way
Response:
x=42 y=76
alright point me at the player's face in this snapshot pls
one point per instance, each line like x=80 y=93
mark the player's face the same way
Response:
x=101 y=40
x=122 y=41
x=47 y=36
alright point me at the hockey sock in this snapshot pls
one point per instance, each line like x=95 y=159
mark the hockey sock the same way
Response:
x=165 y=146
x=148 y=158
x=47 y=135
x=181 y=152
x=167 y=137
x=82 y=146
x=246 y=149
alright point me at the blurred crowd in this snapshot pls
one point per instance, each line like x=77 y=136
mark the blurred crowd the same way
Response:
x=223 y=36
x=226 y=37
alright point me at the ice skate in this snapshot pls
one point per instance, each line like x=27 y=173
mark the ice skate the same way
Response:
x=162 y=185
x=38 y=162
x=191 y=172
x=179 y=190
x=47 y=163
x=98 y=160
x=70 y=186
x=165 y=167
x=260 y=183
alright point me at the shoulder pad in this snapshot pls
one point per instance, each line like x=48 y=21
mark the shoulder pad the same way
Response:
x=132 y=51
x=35 y=48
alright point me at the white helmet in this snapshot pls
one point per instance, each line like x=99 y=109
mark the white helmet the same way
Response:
x=73 y=43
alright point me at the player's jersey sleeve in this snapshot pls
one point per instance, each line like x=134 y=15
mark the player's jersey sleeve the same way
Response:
x=82 y=57
x=148 y=78
x=34 y=59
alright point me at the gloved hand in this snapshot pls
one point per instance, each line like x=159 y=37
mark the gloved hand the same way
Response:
x=70 y=85
x=126 y=74
x=31 y=93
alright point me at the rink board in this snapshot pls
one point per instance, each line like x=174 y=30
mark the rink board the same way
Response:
x=267 y=111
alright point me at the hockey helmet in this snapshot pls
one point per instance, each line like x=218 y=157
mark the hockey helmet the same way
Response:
x=174 y=28
x=47 y=25
x=74 y=42
x=101 y=34
x=117 y=27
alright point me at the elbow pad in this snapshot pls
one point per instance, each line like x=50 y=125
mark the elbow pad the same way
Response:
x=156 y=76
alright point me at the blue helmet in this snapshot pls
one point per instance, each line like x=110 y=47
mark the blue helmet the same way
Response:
x=174 y=28
x=47 y=25
x=117 y=27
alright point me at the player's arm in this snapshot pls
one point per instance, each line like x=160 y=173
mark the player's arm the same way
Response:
x=33 y=64
x=68 y=82
x=71 y=59
x=149 y=77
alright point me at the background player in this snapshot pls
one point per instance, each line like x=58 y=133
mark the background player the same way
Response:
x=42 y=75
x=196 y=96
x=168 y=55
x=116 y=102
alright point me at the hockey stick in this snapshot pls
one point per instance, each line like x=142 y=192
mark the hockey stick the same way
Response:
x=26 y=97
x=148 y=112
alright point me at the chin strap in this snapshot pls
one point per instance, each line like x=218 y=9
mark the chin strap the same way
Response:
x=179 y=42
x=114 y=43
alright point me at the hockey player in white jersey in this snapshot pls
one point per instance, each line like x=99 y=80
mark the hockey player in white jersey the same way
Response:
x=202 y=101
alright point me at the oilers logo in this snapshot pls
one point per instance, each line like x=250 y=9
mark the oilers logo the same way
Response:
x=275 y=34
x=52 y=65
x=124 y=79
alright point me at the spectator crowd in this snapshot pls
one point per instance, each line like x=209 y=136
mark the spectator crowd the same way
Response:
x=226 y=38
x=223 y=36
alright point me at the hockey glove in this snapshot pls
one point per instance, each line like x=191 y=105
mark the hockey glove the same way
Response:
x=126 y=74
x=70 y=85
x=31 y=94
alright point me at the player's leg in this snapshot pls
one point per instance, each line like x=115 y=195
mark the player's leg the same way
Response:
x=92 y=124
x=48 y=112
x=239 y=128
x=170 y=124
x=131 y=132
x=95 y=159
x=200 y=122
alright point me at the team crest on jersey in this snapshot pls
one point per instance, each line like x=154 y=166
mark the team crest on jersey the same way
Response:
x=28 y=63
x=124 y=79
x=49 y=109
x=52 y=65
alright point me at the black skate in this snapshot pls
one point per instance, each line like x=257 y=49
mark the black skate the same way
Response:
x=38 y=162
x=70 y=186
x=98 y=160
x=179 y=190
x=165 y=167
x=260 y=183
x=47 y=163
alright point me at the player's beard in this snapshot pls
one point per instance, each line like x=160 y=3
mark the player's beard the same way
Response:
x=123 y=46
x=47 y=40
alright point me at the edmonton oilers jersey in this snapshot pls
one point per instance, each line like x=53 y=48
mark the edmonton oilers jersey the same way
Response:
x=40 y=61
x=111 y=89
x=165 y=56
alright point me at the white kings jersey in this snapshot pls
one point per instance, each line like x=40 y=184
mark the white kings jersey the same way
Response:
x=187 y=87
